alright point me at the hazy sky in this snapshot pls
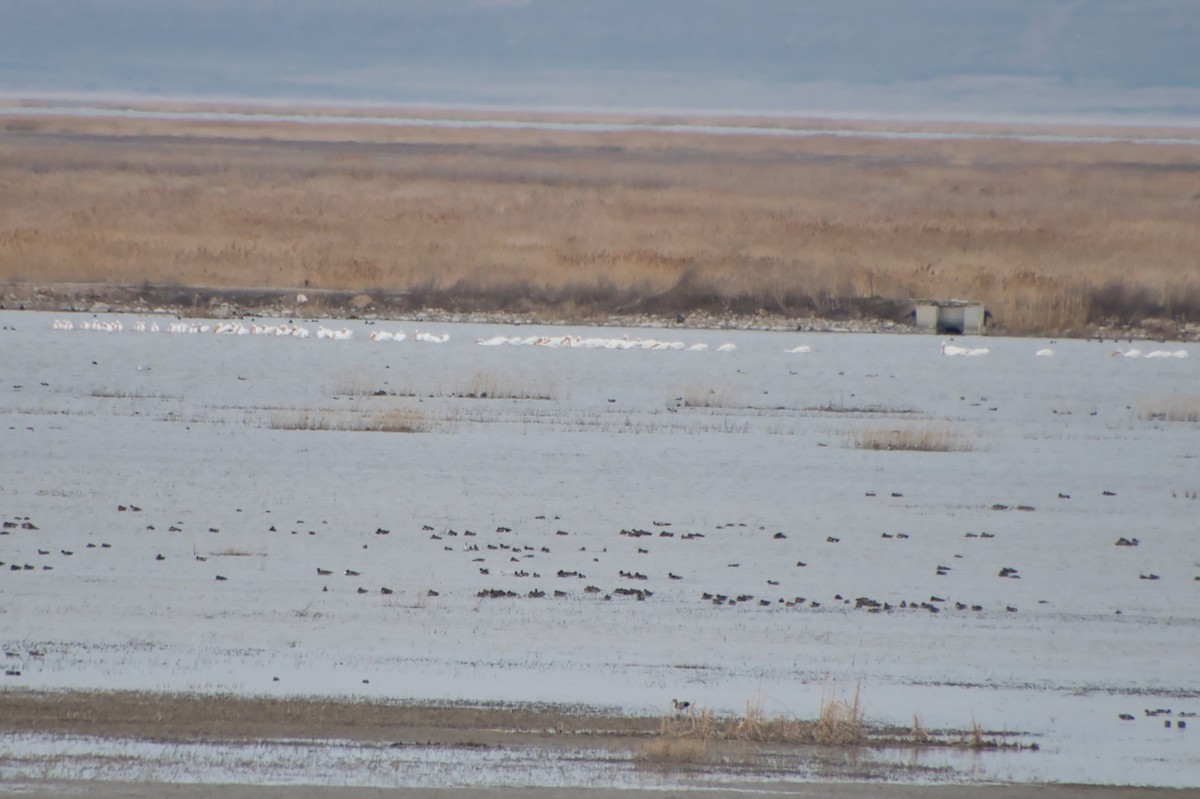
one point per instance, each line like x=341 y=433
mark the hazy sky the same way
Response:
x=896 y=57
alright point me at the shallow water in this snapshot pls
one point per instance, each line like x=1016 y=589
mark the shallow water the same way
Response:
x=199 y=431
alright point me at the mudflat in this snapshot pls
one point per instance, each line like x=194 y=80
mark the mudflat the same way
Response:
x=210 y=720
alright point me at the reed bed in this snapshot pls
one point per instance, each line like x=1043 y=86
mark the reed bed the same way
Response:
x=1052 y=237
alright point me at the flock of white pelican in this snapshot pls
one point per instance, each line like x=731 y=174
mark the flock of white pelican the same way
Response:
x=596 y=343
x=345 y=333
x=240 y=329
x=220 y=328
x=576 y=342
x=1136 y=353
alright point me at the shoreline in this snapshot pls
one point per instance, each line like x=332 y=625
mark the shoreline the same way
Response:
x=224 y=302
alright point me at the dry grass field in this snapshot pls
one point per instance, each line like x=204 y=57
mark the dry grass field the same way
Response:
x=1054 y=237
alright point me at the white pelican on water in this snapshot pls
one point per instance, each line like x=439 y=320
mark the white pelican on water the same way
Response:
x=1044 y=352
x=1167 y=354
x=727 y=348
x=801 y=348
x=430 y=338
x=953 y=350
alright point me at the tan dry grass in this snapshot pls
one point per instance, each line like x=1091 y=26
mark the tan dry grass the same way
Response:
x=700 y=397
x=839 y=722
x=1177 y=408
x=1050 y=236
x=673 y=750
x=387 y=420
x=911 y=438
x=489 y=385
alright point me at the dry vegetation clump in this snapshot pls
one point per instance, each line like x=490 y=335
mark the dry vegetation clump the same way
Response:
x=667 y=749
x=700 y=397
x=861 y=410
x=1178 y=408
x=354 y=384
x=388 y=420
x=840 y=722
x=481 y=385
x=1052 y=237
x=914 y=438
x=488 y=385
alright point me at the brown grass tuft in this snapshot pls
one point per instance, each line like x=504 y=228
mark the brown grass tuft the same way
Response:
x=841 y=721
x=915 y=438
x=391 y=420
x=673 y=750
x=1178 y=408
x=699 y=397
x=919 y=735
x=488 y=385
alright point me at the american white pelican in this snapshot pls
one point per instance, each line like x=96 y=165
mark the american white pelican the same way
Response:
x=801 y=348
x=953 y=350
x=1044 y=352
x=381 y=335
x=727 y=348
x=430 y=338
x=701 y=347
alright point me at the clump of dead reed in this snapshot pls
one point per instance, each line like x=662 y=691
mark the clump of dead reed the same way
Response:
x=1176 y=408
x=913 y=438
x=669 y=749
x=700 y=397
x=489 y=385
x=388 y=420
x=839 y=722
